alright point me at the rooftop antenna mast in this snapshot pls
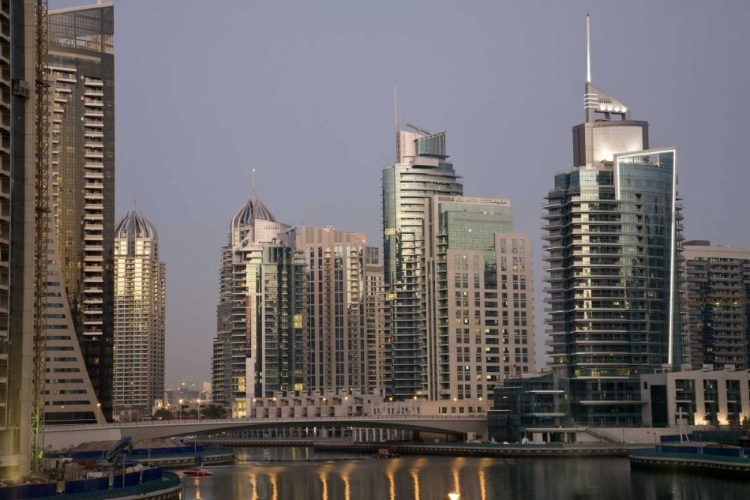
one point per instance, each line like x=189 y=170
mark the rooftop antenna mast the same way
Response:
x=588 y=49
x=255 y=194
x=398 y=122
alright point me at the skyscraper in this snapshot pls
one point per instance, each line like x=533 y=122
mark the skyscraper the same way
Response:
x=716 y=314
x=613 y=226
x=140 y=282
x=82 y=164
x=377 y=324
x=335 y=308
x=17 y=154
x=479 y=300
x=259 y=347
x=421 y=170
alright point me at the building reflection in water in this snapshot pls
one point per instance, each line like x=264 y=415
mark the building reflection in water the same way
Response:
x=389 y=473
x=428 y=478
x=414 y=472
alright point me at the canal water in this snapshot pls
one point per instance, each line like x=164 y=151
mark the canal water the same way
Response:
x=301 y=474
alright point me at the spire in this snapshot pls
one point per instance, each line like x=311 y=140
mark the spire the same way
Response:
x=398 y=122
x=588 y=49
x=255 y=193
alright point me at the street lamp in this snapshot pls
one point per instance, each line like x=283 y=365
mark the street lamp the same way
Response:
x=198 y=402
x=454 y=496
x=180 y=414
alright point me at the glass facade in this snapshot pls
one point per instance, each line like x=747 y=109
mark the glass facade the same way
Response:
x=82 y=164
x=613 y=246
x=405 y=186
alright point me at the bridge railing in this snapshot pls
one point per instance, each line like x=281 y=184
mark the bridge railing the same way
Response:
x=241 y=421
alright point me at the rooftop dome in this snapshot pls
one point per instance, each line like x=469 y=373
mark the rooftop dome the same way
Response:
x=252 y=210
x=135 y=225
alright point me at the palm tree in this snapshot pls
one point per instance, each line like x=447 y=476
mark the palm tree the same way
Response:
x=163 y=414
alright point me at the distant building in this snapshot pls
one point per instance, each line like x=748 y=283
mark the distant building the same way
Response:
x=140 y=287
x=716 y=313
x=82 y=167
x=613 y=246
x=260 y=345
x=335 y=308
x=479 y=297
x=529 y=401
x=421 y=170
x=697 y=397
x=377 y=325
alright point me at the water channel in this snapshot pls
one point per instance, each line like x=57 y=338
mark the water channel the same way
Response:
x=301 y=474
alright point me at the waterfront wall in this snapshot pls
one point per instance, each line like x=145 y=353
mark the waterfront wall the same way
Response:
x=57 y=441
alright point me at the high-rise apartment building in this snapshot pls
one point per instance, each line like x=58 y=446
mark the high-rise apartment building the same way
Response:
x=335 y=308
x=140 y=283
x=82 y=164
x=716 y=311
x=17 y=153
x=613 y=233
x=260 y=345
x=479 y=300
x=377 y=324
x=421 y=170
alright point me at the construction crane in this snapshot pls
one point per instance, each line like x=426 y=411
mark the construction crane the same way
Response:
x=41 y=228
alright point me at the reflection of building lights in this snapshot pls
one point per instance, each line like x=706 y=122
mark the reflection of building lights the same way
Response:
x=274 y=487
x=454 y=496
x=345 y=472
x=391 y=480
x=254 y=486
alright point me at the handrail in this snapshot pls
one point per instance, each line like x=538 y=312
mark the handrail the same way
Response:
x=244 y=421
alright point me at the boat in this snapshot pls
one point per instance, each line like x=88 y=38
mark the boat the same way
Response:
x=198 y=472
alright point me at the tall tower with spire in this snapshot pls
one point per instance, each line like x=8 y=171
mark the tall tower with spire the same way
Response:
x=140 y=289
x=613 y=232
x=259 y=347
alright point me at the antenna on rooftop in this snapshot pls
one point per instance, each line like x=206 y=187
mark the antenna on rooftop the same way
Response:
x=588 y=48
x=398 y=122
x=255 y=195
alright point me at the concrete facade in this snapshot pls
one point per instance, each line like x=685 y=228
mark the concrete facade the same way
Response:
x=479 y=300
x=140 y=287
x=335 y=304
x=377 y=325
x=697 y=397
x=715 y=309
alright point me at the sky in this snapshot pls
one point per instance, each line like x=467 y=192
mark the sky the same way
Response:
x=302 y=91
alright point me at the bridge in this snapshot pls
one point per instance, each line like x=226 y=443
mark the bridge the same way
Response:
x=60 y=437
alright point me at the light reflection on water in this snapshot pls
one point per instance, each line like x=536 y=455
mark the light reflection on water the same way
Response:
x=432 y=478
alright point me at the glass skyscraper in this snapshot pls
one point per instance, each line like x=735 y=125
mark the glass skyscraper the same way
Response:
x=613 y=233
x=82 y=164
x=421 y=170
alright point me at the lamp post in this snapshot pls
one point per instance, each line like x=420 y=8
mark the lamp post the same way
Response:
x=180 y=414
x=198 y=404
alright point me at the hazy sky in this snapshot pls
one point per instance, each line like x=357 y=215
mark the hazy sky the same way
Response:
x=302 y=91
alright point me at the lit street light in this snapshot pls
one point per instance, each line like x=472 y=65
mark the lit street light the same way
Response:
x=180 y=417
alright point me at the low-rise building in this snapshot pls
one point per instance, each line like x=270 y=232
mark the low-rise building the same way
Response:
x=531 y=400
x=697 y=397
x=317 y=404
